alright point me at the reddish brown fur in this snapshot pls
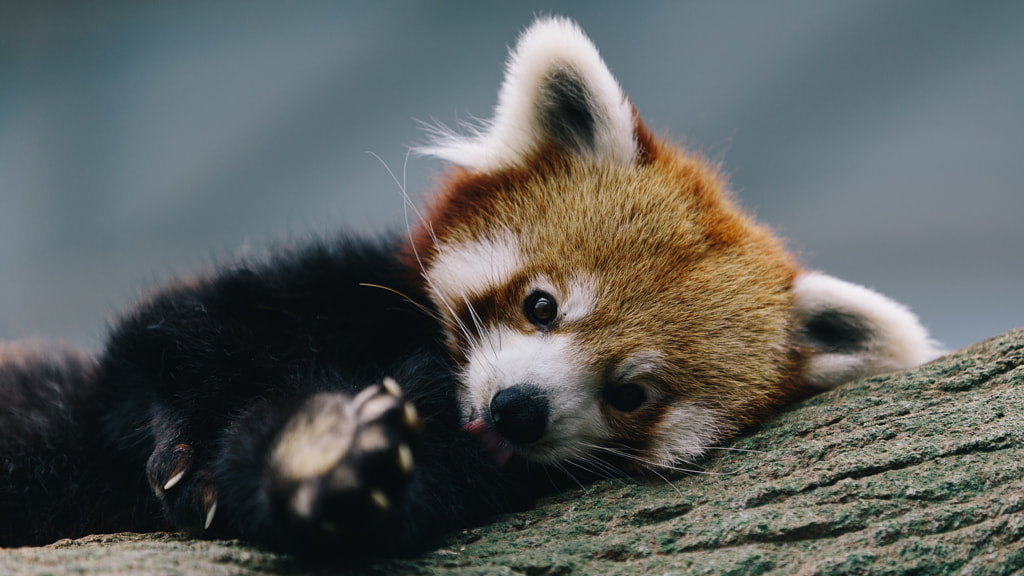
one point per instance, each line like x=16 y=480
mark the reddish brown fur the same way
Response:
x=679 y=268
x=679 y=319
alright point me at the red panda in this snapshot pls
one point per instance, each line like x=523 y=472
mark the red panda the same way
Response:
x=603 y=292
x=579 y=293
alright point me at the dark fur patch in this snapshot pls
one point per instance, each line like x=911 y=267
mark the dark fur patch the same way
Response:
x=566 y=111
x=202 y=379
x=835 y=331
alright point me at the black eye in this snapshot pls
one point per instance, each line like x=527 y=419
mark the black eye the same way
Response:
x=627 y=397
x=540 y=308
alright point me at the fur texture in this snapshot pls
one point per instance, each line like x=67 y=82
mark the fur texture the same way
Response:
x=218 y=408
x=643 y=251
x=578 y=297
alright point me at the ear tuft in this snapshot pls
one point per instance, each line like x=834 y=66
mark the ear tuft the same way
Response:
x=855 y=332
x=557 y=90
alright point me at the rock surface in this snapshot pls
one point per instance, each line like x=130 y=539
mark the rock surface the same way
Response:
x=913 y=473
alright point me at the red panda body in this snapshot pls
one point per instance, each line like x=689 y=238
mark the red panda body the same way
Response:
x=588 y=297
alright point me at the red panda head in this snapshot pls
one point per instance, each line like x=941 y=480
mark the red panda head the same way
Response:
x=602 y=292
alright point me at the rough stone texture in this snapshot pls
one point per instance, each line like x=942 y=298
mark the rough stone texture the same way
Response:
x=913 y=473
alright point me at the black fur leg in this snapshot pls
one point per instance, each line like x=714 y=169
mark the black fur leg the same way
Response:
x=59 y=478
x=237 y=406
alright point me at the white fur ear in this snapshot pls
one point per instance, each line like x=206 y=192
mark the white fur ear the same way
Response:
x=556 y=90
x=855 y=332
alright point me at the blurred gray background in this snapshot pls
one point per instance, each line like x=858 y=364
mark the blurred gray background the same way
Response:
x=140 y=141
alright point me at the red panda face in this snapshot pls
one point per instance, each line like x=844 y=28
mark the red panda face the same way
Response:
x=627 y=308
x=603 y=295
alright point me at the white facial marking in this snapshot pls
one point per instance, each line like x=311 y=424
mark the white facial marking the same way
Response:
x=578 y=302
x=685 y=432
x=640 y=365
x=471 y=268
x=551 y=362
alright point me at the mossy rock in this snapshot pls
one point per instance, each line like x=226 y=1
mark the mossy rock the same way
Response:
x=919 y=472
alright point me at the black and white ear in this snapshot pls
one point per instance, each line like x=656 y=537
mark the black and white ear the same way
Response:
x=557 y=90
x=855 y=332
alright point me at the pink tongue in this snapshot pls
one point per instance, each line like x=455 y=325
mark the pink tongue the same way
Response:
x=489 y=440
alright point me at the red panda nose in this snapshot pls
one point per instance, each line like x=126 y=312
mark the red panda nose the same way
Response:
x=520 y=413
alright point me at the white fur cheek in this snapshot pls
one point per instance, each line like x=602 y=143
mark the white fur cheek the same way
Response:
x=684 y=434
x=503 y=358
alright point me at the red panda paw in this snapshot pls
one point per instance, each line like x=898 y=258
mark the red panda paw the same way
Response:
x=188 y=495
x=342 y=458
x=167 y=466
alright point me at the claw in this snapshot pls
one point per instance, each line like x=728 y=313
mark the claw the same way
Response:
x=412 y=417
x=380 y=499
x=173 y=480
x=167 y=467
x=365 y=394
x=392 y=387
x=404 y=458
x=373 y=409
x=209 y=515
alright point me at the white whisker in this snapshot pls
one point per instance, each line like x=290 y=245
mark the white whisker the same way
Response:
x=407 y=203
x=727 y=449
x=653 y=465
x=421 y=307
